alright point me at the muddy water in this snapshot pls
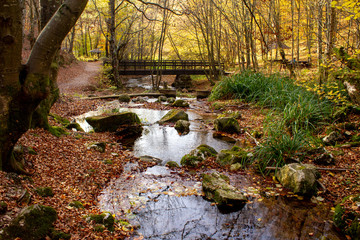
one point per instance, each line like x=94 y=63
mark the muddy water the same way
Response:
x=167 y=206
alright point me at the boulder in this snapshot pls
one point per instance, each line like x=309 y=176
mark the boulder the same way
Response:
x=198 y=155
x=171 y=100
x=124 y=98
x=3 y=207
x=217 y=188
x=182 y=126
x=172 y=164
x=173 y=116
x=45 y=191
x=227 y=124
x=180 y=103
x=32 y=223
x=232 y=156
x=112 y=122
x=300 y=178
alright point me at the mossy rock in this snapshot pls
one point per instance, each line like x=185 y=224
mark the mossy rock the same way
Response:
x=300 y=178
x=76 y=204
x=98 y=146
x=171 y=100
x=348 y=222
x=44 y=191
x=173 y=116
x=227 y=124
x=217 y=188
x=32 y=223
x=99 y=228
x=198 y=155
x=105 y=219
x=63 y=121
x=57 y=131
x=124 y=98
x=190 y=160
x=182 y=126
x=181 y=103
x=162 y=99
x=112 y=122
x=229 y=157
x=172 y=164
x=57 y=235
x=75 y=125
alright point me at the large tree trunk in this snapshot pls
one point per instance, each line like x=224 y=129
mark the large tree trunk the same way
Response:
x=40 y=116
x=23 y=88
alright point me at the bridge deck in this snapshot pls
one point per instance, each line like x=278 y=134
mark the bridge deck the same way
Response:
x=170 y=67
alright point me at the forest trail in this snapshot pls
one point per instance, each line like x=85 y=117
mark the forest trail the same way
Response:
x=78 y=76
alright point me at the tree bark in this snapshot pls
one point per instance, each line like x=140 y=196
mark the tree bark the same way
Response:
x=22 y=88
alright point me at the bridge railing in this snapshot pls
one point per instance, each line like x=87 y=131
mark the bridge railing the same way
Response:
x=168 y=65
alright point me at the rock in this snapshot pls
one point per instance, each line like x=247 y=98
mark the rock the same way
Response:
x=227 y=124
x=113 y=122
x=172 y=164
x=98 y=146
x=151 y=159
x=232 y=156
x=32 y=223
x=124 y=98
x=332 y=138
x=76 y=204
x=325 y=159
x=171 y=100
x=56 y=235
x=300 y=178
x=174 y=115
x=180 y=103
x=223 y=137
x=44 y=191
x=162 y=99
x=105 y=219
x=347 y=221
x=75 y=125
x=198 y=155
x=182 y=126
x=139 y=99
x=200 y=94
x=182 y=81
x=3 y=207
x=217 y=188
x=235 y=167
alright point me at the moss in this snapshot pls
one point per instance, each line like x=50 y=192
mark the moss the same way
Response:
x=124 y=98
x=44 y=191
x=229 y=125
x=348 y=221
x=217 y=105
x=33 y=223
x=112 y=122
x=74 y=125
x=57 y=235
x=172 y=164
x=105 y=218
x=57 y=131
x=76 y=204
x=207 y=150
x=180 y=103
x=190 y=160
x=31 y=151
x=174 y=115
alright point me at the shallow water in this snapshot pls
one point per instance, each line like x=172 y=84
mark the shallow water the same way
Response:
x=170 y=207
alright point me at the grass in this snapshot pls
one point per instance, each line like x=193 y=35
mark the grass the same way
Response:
x=298 y=112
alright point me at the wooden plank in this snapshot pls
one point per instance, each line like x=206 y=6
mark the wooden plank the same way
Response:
x=130 y=95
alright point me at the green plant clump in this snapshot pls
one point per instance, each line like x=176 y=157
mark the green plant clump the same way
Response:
x=299 y=112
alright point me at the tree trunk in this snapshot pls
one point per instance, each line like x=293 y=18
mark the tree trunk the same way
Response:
x=23 y=88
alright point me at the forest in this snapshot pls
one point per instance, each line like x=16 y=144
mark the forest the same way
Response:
x=191 y=119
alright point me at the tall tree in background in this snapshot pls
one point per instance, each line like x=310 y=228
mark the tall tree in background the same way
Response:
x=24 y=87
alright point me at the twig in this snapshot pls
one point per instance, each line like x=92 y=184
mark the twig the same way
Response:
x=321 y=185
x=256 y=141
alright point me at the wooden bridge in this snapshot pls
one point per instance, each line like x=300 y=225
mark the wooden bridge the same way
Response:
x=168 y=67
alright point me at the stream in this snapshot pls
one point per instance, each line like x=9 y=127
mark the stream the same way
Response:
x=165 y=204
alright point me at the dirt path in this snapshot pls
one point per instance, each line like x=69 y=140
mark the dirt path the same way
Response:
x=78 y=76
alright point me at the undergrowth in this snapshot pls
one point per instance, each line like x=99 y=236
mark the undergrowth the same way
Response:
x=298 y=112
